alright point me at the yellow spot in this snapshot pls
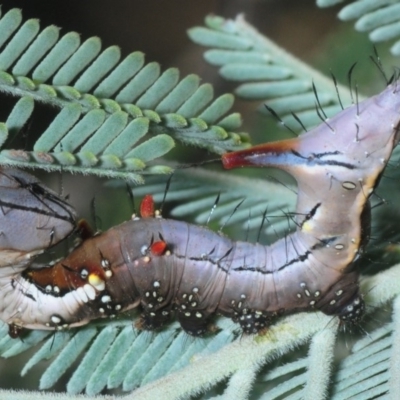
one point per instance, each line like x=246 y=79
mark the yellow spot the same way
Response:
x=307 y=226
x=96 y=282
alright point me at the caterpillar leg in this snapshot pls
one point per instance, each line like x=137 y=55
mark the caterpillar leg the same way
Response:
x=194 y=322
x=152 y=320
x=354 y=311
x=253 y=321
x=344 y=300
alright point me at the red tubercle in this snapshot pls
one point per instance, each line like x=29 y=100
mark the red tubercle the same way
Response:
x=234 y=160
x=247 y=157
x=147 y=207
x=158 y=248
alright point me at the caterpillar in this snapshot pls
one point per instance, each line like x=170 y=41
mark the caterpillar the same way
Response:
x=172 y=267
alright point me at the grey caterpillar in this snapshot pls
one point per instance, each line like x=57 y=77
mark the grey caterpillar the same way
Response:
x=170 y=267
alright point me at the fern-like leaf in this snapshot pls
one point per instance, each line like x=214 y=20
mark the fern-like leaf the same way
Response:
x=266 y=72
x=381 y=18
x=116 y=116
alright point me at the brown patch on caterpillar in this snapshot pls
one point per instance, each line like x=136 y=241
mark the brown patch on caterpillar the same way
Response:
x=61 y=278
x=84 y=229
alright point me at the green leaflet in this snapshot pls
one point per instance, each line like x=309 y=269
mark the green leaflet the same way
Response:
x=99 y=98
x=378 y=17
x=264 y=71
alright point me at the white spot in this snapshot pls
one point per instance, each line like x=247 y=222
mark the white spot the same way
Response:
x=55 y=319
x=193 y=304
x=156 y=284
x=105 y=263
x=356 y=302
x=299 y=295
x=339 y=292
x=302 y=284
x=317 y=293
x=144 y=249
x=195 y=290
x=108 y=274
x=160 y=299
x=332 y=302
x=242 y=296
x=101 y=310
x=106 y=299
x=118 y=307
x=183 y=307
x=312 y=302
x=339 y=246
x=349 y=185
x=187 y=314
x=56 y=289
x=308 y=294
x=199 y=315
x=84 y=273
x=48 y=289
